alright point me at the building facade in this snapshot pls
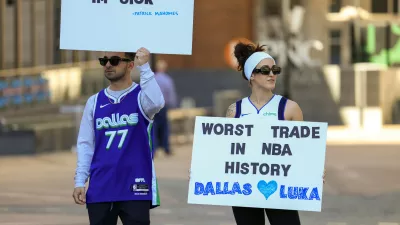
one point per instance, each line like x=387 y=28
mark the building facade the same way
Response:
x=30 y=33
x=322 y=39
x=330 y=31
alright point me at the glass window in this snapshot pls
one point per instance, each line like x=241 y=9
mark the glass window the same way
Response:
x=335 y=6
x=379 y=6
x=335 y=47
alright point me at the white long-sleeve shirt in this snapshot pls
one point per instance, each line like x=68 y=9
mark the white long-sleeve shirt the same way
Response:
x=151 y=100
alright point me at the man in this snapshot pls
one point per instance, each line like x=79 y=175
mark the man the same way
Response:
x=114 y=144
x=161 y=123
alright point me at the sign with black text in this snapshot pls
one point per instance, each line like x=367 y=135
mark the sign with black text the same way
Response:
x=256 y=162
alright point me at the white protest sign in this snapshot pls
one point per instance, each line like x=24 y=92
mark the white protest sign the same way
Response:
x=255 y=162
x=162 y=26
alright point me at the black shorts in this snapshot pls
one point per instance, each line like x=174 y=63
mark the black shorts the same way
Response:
x=256 y=216
x=130 y=213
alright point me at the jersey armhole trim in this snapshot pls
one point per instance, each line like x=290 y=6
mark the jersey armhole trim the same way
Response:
x=141 y=109
x=238 y=108
x=95 y=103
x=281 y=108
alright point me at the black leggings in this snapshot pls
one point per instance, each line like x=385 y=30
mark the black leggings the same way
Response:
x=256 y=216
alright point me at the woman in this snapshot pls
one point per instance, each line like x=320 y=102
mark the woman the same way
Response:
x=259 y=69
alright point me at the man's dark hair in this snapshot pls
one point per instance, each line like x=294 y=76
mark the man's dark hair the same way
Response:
x=130 y=55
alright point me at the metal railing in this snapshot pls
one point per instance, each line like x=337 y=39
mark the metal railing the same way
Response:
x=58 y=131
x=30 y=88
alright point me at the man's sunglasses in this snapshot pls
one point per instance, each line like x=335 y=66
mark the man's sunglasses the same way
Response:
x=114 y=60
x=266 y=70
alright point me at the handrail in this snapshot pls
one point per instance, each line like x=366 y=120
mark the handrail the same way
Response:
x=173 y=114
x=183 y=113
x=27 y=71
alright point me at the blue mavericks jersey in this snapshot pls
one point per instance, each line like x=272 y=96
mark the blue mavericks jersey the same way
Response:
x=122 y=167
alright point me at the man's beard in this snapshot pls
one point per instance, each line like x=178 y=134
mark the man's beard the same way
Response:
x=116 y=78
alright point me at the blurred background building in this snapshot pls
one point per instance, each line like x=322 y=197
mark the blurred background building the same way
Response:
x=340 y=61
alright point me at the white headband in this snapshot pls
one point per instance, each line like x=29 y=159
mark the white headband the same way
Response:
x=252 y=62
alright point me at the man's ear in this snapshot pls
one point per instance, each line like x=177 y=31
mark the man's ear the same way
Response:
x=131 y=65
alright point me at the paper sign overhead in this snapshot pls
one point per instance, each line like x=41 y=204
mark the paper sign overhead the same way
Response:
x=162 y=26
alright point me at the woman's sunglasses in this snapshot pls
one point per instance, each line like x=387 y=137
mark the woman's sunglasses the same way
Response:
x=114 y=60
x=266 y=70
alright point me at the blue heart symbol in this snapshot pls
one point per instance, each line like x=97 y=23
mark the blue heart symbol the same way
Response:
x=267 y=189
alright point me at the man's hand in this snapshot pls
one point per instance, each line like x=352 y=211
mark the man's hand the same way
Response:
x=79 y=195
x=142 y=56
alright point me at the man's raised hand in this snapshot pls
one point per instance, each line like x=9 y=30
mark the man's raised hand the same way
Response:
x=142 y=56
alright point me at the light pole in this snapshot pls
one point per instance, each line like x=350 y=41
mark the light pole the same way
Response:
x=287 y=71
x=286 y=38
x=292 y=20
x=153 y=62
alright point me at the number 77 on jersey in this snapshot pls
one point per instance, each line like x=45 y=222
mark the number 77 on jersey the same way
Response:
x=114 y=122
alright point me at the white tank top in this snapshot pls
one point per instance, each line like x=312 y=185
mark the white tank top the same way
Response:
x=274 y=109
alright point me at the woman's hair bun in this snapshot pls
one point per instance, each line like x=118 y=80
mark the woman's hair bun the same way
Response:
x=243 y=51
